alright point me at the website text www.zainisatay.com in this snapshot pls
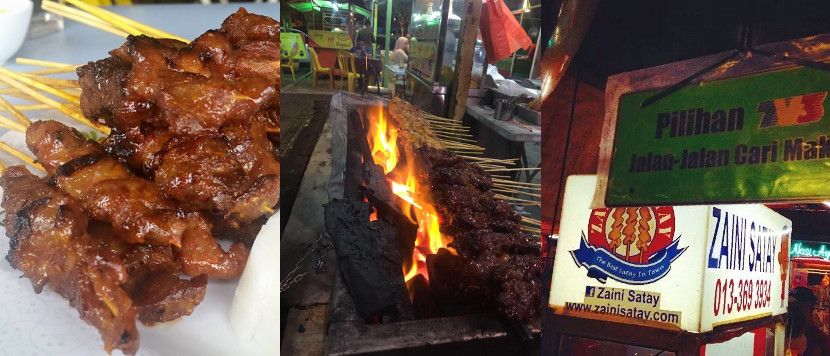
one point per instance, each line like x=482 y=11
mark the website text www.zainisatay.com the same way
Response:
x=630 y=312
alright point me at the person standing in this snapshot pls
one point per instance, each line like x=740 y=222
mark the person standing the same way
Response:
x=802 y=302
x=364 y=40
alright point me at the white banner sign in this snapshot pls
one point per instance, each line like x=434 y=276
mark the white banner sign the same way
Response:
x=687 y=267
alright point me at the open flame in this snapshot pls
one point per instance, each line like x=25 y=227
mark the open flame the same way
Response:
x=382 y=137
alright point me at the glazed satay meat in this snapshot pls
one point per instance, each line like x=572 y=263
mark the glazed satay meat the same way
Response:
x=211 y=105
x=154 y=282
x=50 y=245
x=136 y=209
x=107 y=191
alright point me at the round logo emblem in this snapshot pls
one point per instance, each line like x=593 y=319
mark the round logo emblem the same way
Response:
x=633 y=245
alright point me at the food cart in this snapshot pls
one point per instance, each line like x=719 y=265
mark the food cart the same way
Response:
x=649 y=259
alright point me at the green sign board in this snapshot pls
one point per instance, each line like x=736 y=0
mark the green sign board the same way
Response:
x=761 y=137
x=810 y=249
x=292 y=46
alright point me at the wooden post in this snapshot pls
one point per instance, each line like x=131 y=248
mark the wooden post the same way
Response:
x=464 y=60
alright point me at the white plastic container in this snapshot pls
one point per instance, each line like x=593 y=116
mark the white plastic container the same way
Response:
x=15 y=16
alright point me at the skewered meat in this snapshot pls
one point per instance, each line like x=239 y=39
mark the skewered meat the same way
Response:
x=107 y=191
x=50 y=245
x=201 y=120
x=136 y=208
x=112 y=236
x=498 y=257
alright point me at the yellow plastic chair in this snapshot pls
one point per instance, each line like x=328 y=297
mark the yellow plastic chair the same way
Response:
x=291 y=66
x=317 y=69
x=108 y=2
x=348 y=69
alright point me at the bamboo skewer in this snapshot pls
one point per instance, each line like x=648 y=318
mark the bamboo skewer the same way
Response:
x=530 y=229
x=503 y=160
x=527 y=218
x=39 y=63
x=515 y=191
x=124 y=22
x=53 y=82
x=67 y=69
x=22 y=156
x=66 y=109
x=96 y=23
x=463 y=147
x=10 y=124
x=452 y=133
x=454 y=139
x=106 y=16
x=518 y=188
x=450 y=129
x=19 y=115
x=505 y=197
x=40 y=86
x=508 y=181
x=29 y=107
x=516 y=169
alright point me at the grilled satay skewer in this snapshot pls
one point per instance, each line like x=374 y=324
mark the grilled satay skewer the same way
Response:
x=50 y=245
x=135 y=207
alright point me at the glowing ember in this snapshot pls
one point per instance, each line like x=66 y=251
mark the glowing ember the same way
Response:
x=382 y=139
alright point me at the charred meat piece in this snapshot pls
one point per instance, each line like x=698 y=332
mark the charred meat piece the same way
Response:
x=154 y=280
x=500 y=262
x=50 y=245
x=103 y=81
x=244 y=27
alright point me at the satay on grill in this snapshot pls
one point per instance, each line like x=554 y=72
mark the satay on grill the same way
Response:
x=50 y=245
x=201 y=120
x=135 y=207
x=500 y=262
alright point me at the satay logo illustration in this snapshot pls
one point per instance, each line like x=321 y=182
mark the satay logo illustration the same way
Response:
x=633 y=245
x=793 y=110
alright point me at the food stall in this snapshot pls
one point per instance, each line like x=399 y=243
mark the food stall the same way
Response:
x=648 y=257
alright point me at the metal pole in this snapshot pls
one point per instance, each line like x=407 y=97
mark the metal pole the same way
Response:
x=374 y=28
x=513 y=60
x=388 y=28
x=534 y=66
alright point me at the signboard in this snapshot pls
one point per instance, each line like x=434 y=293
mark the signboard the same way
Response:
x=292 y=46
x=334 y=40
x=810 y=249
x=686 y=267
x=761 y=137
x=746 y=264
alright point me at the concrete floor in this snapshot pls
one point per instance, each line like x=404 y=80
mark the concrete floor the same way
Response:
x=304 y=303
